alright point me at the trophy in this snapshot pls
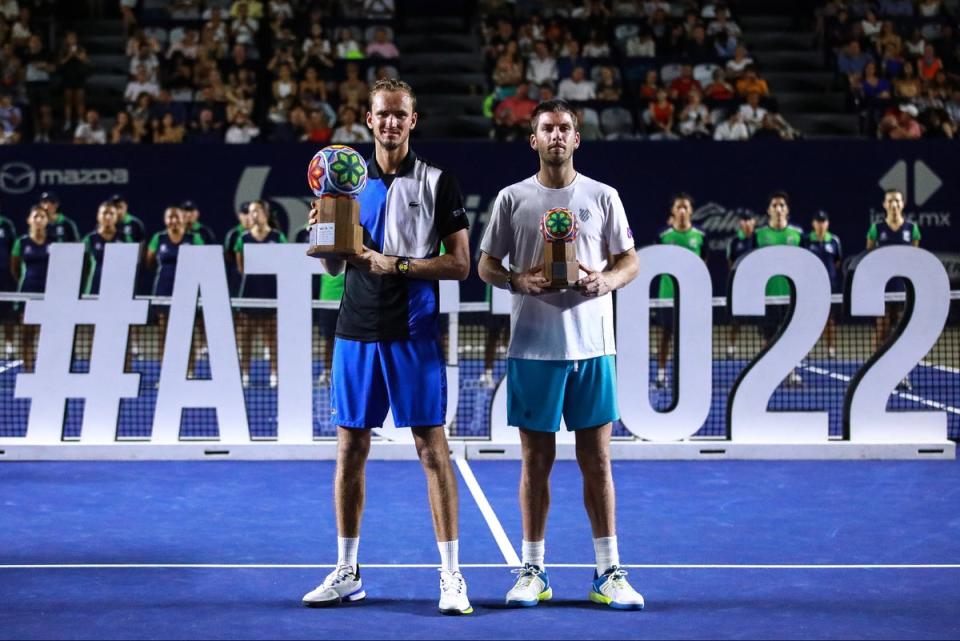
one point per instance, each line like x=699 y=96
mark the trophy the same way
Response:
x=559 y=228
x=336 y=175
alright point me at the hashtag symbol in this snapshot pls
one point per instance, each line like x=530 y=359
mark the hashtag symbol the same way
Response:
x=58 y=314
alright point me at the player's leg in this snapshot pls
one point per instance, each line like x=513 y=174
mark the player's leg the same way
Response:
x=359 y=403
x=665 y=318
x=590 y=408
x=416 y=379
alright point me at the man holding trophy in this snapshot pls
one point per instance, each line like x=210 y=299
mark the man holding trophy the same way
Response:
x=387 y=354
x=555 y=226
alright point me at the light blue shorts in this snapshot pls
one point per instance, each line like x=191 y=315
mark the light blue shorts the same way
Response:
x=583 y=392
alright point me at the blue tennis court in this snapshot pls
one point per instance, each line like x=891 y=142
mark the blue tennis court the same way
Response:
x=225 y=549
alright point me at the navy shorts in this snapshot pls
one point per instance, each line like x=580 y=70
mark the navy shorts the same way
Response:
x=407 y=376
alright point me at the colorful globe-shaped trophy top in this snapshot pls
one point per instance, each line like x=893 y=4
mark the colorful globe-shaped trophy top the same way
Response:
x=559 y=224
x=337 y=170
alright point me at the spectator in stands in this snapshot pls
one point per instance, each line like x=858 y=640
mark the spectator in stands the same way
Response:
x=294 y=129
x=350 y=131
x=888 y=36
x=123 y=131
x=379 y=9
x=651 y=85
x=205 y=129
x=577 y=87
x=597 y=46
x=939 y=126
x=723 y=24
x=312 y=88
x=90 y=131
x=952 y=107
x=382 y=46
x=589 y=127
x=186 y=46
x=147 y=59
x=167 y=130
x=683 y=84
x=164 y=104
x=317 y=50
x=569 y=58
x=752 y=113
x=353 y=90
x=244 y=26
x=719 y=91
x=239 y=60
x=697 y=46
x=640 y=45
x=660 y=118
x=914 y=46
x=873 y=87
x=318 y=128
x=907 y=86
x=724 y=45
x=891 y=65
x=546 y=92
x=511 y=117
x=608 y=87
x=773 y=127
x=73 y=67
x=900 y=124
x=508 y=72
x=142 y=84
x=20 y=33
x=241 y=130
x=871 y=25
x=38 y=70
x=347 y=46
x=285 y=87
x=929 y=65
x=542 y=67
x=695 y=121
x=732 y=128
x=10 y=119
x=127 y=8
x=851 y=61
x=750 y=82
x=140 y=113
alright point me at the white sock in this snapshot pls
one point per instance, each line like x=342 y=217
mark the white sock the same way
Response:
x=661 y=374
x=347 y=551
x=532 y=553
x=607 y=554
x=449 y=555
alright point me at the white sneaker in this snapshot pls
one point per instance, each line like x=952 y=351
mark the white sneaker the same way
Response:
x=532 y=587
x=245 y=380
x=323 y=380
x=453 y=594
x=273 y=380
x=794 y=378
x=611 y=588
x=661 y=381
x=343 y=584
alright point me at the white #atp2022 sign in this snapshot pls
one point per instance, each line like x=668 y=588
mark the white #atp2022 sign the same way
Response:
x=200 y=273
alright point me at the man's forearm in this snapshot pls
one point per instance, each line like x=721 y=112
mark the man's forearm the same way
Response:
x=493 y=273
x=446 y=267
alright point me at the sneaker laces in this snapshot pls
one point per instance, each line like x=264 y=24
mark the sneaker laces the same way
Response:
x=618 y=577
x=526 y=575
x=340 y=574
x=452 y=581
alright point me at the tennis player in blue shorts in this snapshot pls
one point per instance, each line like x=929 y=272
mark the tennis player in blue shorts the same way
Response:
x=561 y=355
x=387 y=353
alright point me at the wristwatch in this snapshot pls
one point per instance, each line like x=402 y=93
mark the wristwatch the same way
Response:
x=509 y=282
x=403 y=266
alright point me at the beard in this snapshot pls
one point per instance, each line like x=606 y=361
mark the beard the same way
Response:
x=391 y=144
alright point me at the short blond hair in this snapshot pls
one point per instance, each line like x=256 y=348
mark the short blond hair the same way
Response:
x=393 y=84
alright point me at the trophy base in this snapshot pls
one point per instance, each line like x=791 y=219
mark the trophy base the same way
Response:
x=562 y=275
x=337 y=232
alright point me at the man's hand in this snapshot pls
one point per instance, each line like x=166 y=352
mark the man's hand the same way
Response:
x=373 y=262
x=315 y=211
x=531 y=282
x=594 y=283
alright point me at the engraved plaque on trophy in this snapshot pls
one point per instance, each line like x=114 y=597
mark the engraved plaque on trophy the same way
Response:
x=559 y=228
x=336 y=175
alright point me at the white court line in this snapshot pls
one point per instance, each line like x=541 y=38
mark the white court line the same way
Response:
x=418 y=566
x=10 y=365
x=509 y=554
x=942 y=368
x=903 y=395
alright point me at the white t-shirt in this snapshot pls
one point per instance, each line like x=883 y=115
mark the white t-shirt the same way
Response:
x=562 y=325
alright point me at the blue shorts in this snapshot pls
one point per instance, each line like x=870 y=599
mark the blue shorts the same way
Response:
x=409 y=377
x=583 y=392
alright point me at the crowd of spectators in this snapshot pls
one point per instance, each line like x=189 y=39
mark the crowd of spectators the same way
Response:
x=633 y=68
x=900 y=62
x=231 y=71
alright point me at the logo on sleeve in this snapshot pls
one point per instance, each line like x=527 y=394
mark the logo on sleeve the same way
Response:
x=459 y=212
x=584 y=215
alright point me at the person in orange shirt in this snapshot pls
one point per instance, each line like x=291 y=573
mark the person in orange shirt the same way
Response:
x=929 y=65
x=752 y=83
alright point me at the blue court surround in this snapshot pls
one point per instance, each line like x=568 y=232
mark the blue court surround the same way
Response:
x=670 y=513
